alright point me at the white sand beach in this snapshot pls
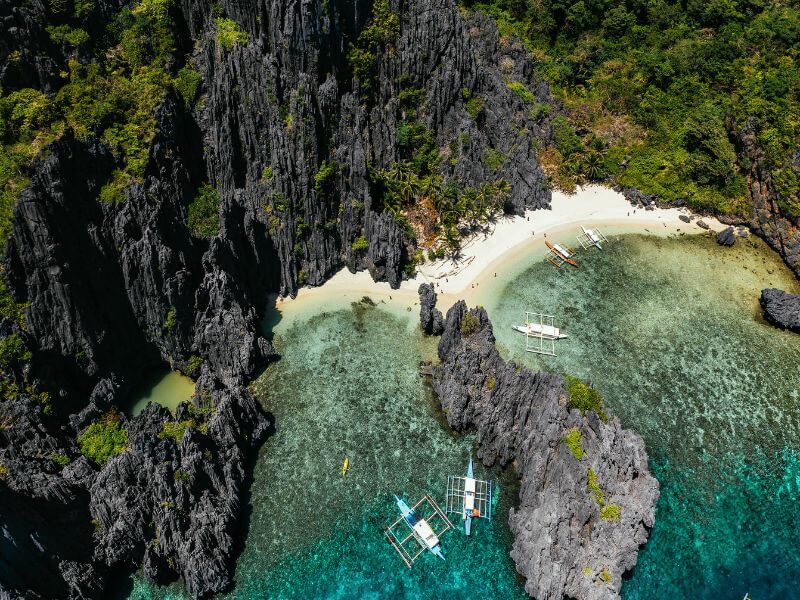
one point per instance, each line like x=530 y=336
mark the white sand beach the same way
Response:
x=485 y=254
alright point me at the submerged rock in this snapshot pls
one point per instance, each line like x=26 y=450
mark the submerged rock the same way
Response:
x=781 y=308
x=587 y=500
x=726 y=237
x=430 y=317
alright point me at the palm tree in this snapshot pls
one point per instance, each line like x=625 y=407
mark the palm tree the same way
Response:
x=593 y=165
x=452 y=241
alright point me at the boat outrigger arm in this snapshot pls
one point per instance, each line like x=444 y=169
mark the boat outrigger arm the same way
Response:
x=427 y=523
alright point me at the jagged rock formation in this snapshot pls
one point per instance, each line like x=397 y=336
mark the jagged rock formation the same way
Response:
x=562 y=544
x=767 y=220
x=726 y=237
x=782 y=309
x=430 y=317
x=182 y=495
x=115 y=289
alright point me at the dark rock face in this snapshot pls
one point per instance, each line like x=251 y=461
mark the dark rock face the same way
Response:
x=179 y=512
x=781 y=308
x=767 y=219
x=726 y=237
x=114 y=290
x=46 y=537
x=430 y=317
x=562 y=545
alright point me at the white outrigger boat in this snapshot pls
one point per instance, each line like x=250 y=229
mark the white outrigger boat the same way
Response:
x=422 y=531
x=426 y=531
x=591 y=237
x=548 y=332
x=469 y=497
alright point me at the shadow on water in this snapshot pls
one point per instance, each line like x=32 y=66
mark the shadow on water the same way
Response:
x=272 y=317
x=243 y=530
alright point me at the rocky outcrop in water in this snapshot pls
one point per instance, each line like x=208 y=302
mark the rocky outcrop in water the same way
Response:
x=587 y=500
x=430 y=317
x=782 y=309
x=726 y=237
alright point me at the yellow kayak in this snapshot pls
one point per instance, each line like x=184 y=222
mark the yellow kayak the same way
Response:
x=345 y=466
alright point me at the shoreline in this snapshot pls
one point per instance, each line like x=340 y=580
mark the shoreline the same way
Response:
x=490 y=257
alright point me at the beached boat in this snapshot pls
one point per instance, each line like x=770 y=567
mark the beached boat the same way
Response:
x=591 y=237
x=548 y=332
x=422 y=531
x=560 y=254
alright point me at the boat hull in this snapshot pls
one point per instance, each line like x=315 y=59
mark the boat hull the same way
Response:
x=547 y=332
x=565 y=257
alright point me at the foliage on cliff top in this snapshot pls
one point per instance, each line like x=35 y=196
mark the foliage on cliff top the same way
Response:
x=204 y=212
x=113 y=97
x=583 y=397
x=104 y=439
x=470 y=324
x=175 y=429
x=660 y=85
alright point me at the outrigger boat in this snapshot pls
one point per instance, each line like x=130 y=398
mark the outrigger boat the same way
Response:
x=560 y=254
x=469 y=497
x=422 y=531
x=591 y=237
x=345 y=466
x=548 y=332
x=427 y=523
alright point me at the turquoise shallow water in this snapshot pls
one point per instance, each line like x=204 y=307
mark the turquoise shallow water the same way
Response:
x=348 y=384
x=668 y=329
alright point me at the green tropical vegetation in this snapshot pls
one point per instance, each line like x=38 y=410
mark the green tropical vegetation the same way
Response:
x=171 y=319
x=60 y=459
x=573 y=441
x=229 y=33
x=382 y=31
x=655 y=91
x=204 y=212
x=13 y=351
x=193 y=365
x=360 y=245
x=584 y=397
x=104 y=439
x=608 y=512
x=470 y=323
x=174 y=429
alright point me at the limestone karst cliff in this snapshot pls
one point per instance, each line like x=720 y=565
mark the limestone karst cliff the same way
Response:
x=587 y=499
x=107 y=279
